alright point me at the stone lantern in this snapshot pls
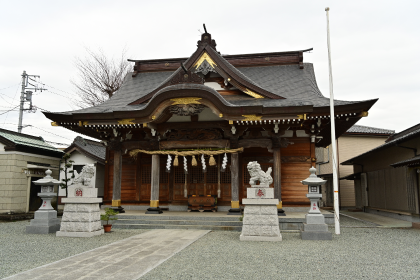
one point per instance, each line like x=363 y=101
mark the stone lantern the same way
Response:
x=45 y=219
x=315 y=227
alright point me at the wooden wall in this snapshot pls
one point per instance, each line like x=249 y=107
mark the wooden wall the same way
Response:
x=135 y=185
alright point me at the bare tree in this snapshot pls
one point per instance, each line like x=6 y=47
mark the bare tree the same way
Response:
x=99 y=77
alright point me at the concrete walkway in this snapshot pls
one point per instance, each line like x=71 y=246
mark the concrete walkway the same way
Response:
x=126 y=259
x=379 y=220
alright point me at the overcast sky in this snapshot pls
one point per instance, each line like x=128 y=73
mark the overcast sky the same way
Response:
x=375 y=47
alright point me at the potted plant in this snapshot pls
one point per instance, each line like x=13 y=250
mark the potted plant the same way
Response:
x=109 y=213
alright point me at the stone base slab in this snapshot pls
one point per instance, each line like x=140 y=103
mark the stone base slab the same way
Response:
x=81 y=226
x=260 y=192
x=86 y=191
x=260 y=238
x=79 y=234
x=315 y=227
x=316 y=235
x=154 y=210
x=315 y=219
x=42 y=229
x=260 y=201
x=81 y=200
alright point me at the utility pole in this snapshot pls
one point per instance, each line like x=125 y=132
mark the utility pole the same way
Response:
x=27 y=96
x=333 y=140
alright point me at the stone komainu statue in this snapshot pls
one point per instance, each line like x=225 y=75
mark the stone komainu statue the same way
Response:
x=257 y=174
x=84 y=178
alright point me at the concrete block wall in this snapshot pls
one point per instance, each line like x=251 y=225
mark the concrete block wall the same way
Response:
x=14 y=195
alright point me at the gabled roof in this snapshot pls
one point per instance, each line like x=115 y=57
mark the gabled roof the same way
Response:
x=89 y=148
x=403 y=136
x=15 y=141
x=361 y=129
x=289 y=82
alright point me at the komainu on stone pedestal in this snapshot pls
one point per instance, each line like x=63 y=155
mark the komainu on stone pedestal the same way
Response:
x=261 y=222
x=81 y=216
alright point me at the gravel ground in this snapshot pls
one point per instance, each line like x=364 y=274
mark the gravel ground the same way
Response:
x=20 y=251
x=361 y=251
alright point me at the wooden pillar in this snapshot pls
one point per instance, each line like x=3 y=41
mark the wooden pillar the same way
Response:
x=154 y=193
x=234 y=169
x=116 y=183
x=277 y=179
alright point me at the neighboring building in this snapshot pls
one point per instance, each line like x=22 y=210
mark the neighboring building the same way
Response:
x=84 y=151
x=355 y=141
x=24 y=159
x=387 y=177
x=263 y=107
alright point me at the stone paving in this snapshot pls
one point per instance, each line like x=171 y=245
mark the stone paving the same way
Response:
x=126 y=259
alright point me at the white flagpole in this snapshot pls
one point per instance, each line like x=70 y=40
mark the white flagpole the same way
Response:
x=333 y=142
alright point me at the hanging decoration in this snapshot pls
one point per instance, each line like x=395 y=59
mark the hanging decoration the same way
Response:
x=212 y=162
x=185 y=186
x=203 y=163
x=224 y=163
x=168 y=164
x=185 y=165
x=175 y=160
x=193 y=161
x=135 y=152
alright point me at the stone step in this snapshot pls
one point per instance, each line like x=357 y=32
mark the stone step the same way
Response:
x=167 y=226
x=180 y=222
x=186 y=217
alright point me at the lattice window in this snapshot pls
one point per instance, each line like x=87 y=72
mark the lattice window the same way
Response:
x=196 y=175
x=163 y=175
x=179 y=175
x=225 y=177
x=146 y=173
x=211 y=175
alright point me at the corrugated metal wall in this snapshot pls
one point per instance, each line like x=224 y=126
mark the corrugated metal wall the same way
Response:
x=388 y=189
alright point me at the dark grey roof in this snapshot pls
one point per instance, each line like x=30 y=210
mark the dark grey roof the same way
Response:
x=90 y=148
x=27 y=140
x=408 y=162
x=369 y=130
x=298 y=86
x=400 y=139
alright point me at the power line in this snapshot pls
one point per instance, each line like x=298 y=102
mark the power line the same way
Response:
x=50 y=132
x=10 y=86
x=9 y=111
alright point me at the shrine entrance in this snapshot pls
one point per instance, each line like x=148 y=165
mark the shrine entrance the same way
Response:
x=196 y=182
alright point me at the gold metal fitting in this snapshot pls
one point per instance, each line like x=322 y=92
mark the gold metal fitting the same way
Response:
x=154 y=203
x=234 y=204
x=116 y=203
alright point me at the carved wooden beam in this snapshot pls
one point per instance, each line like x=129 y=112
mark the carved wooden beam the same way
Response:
x=165 y=145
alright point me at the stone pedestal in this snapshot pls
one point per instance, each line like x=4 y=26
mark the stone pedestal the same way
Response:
x=315 y=227
x=260 y=222
x=45 y=219
x=81 y=216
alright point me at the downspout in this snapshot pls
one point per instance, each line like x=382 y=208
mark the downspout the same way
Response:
x=414 y=149
x=324 y=162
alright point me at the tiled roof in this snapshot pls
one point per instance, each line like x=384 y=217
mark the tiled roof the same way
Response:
x=402 y=138
x=90 y=148
x=369 y=130
x=298 y=86
x=27 y=140
x=408 y=162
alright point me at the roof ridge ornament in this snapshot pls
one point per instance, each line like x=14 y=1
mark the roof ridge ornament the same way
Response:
x=206 y=39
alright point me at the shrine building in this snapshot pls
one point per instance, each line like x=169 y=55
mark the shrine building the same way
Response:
x=180 y=127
